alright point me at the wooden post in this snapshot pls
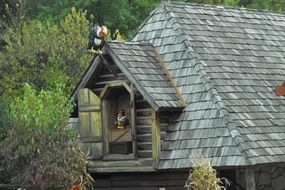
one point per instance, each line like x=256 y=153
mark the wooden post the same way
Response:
x=155 y=128
x=133 y=120
x=249 y=179
x=105 y=125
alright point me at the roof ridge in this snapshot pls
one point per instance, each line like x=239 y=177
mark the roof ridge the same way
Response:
x=234 y=132
x=170 y=78
x=162 y=4
x=131 y=43
x=231 y=8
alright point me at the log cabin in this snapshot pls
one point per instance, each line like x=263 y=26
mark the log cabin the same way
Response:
x=195 y=81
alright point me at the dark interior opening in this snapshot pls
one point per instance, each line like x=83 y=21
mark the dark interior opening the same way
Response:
x=117 y=105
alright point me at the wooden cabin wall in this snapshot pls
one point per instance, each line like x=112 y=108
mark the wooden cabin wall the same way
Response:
x=141 y=181
x=143 y=114
x=164 y=123
x=105 y=77
x=143 y=111
x=143 y=125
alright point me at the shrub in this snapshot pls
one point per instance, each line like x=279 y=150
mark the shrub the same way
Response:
x=204 y=177
x=38 y=153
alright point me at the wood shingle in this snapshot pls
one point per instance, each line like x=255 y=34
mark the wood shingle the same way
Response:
x=226 y=62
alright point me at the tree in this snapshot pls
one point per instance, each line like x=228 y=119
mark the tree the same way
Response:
x=275 y=5
x=5 y=126
x=45 y=54
x=38 y=153
x=125 y=15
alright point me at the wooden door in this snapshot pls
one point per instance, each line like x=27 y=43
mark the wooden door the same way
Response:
x=90 y=127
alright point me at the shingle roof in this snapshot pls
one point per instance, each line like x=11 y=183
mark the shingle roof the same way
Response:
x=143 y=67
x=226 y=63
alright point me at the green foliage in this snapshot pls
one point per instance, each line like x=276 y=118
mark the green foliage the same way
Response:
x=45 y=54
x=46 y=110
x=124 y=15
x=5 y=123
x=275 y=5
x=5 y=126
x=216 y=2
x=38 y=153
x=53 y=10
x=10 y=7
x=203 y=177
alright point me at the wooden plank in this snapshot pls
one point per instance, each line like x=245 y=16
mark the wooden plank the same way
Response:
x=90 y=74
x=143 y=129
x=149 y=183
x=156 y=147
x=141 y=120
x=249 y=179
x=121 y=169
x=119 y=163
x=110 y=77
x=144 y=146
x=144 y=153
x=90 y=127
x=118 y=157
x=141 y=180
x=89 y=108
x=143 y=112
x=142 y=104
x=113 y=84
x=120 y=135
x=156 y=176
x=105 y=123
x=133 y=120
x=108 y=65
x=92 y=139
x=164 y=122
x=147 y=137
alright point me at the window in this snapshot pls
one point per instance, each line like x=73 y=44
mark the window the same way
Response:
x=117 y=109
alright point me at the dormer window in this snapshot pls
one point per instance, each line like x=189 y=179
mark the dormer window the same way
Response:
x=118 y=120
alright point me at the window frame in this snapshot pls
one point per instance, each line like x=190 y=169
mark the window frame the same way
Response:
x=105 y=124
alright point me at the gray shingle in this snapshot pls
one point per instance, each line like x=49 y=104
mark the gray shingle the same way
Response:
x=141 y=62
x=226 y=64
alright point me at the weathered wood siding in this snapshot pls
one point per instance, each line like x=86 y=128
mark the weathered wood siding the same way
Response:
x=143 y=113
x=164 y=123
x=141 y=181
x=143 y=125
x=106 y=77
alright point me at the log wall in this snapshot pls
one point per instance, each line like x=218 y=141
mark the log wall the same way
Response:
x=141 y=181
x=142 y=112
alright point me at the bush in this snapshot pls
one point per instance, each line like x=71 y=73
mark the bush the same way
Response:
x=38 y=153
x=204 y=177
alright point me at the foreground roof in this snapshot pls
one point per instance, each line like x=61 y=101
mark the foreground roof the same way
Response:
x=144 y=68
x=226 y=63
